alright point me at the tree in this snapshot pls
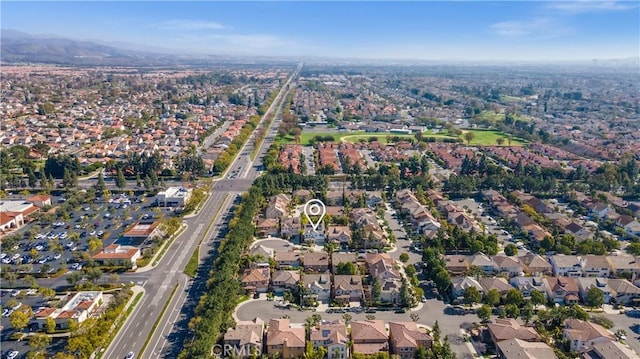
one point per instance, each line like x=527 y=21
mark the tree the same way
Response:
x=414 y=317
x=50 y=325
x=594 y=298
x=113 y=278
x=500 y=141
x=492 y=298
x=510 y=249
x=436 y=332
x=469 y=136
x=348 y=268
x=527 y=312
x=484 y=313
x=370 y=317
x=39 y=341
x=314 y=353
x=404 y=257
x=74 y=278
x=100 y=186
x=472 y=295
x=120 y=180
x=537 y=297
x=514 y=296
x=376 y=289
x=347 y=318
x=20 y=317
x=287 y=296
x=512 y=310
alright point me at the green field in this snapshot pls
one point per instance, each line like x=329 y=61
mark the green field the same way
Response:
x=306 y=137
x=482 y=137
x=489 y=137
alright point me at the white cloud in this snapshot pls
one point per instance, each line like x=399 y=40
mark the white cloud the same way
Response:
x=190 y=25
x=536 y=27
x=583 y=6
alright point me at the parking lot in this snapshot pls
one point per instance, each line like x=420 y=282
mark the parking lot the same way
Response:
x=63 y=239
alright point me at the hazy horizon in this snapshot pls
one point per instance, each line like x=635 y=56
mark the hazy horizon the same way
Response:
x=517 y=31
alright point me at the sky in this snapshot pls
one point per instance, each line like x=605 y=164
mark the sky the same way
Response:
x=417 y=30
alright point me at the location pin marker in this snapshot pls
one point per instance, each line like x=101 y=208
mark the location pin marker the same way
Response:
x=314 y=208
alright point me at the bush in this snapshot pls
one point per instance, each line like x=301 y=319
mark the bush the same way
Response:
x=601 y=320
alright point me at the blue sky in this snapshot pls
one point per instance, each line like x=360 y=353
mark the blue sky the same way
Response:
x=429 y=30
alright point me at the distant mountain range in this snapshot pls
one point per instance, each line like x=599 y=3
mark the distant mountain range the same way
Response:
x=20 y=47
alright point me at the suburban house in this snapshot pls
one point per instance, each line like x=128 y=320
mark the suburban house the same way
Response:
x=526 y=285
x=535 y=264
x=482 y=261
x=262 y=253
x=317 y=286
x=566 y=265
x=624 y=265
x=285 y=341
x=460 y=284
x=498 y=283
x=316 y=235
x=289 y=227
x=583 y=335
x=347 y=287
x=507 y=265
x=456 y=264
x=624 y=292
x=282 y=280
x=562 y=289
x=505 y=329
x=341 y=257
x=256 y=280
x=267 y=227
x=117 y=255
x=247 y=335
x=287 y=259
x=369 y=336
x=278 y=206
x=609 y=349
x=303 y=195
x=339 y=234
x=316 y=262
x=332 y=336
x=586 y=283
x=595 y=266
x=406 y=338
x=520 y=349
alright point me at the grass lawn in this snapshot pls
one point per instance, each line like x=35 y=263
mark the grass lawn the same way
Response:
x=488 y=138
x=382 y=137
x=306 y=137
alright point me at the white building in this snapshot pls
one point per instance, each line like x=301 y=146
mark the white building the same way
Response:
x=79 y=308
x=174 y=197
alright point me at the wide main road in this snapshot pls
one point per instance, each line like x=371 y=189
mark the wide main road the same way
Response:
x=160 y=281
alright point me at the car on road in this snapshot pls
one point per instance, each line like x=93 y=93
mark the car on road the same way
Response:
x=400 y=311
x=130 y=355
x=12 y=354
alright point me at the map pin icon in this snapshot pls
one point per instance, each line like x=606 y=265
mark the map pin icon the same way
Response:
x=314 y=208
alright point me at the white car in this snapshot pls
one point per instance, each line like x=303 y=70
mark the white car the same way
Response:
x=13 y=354
x=130 y=355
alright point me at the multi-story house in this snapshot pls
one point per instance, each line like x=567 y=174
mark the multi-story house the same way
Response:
x=562 y=289
x=526 y=285
x=535 y=264
x=282 y=280
x=285 y=341
x=317 y=286
x=333 y=337
x=582 y=335
x=316 y=262
x=246 y=337
x=347 y=287
x=341 y=257
x=566 y=265
x=287 y=259
x=625 y=266
x=406 y=338
x=369 y=336
x=507 y=265
x=595 y=266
